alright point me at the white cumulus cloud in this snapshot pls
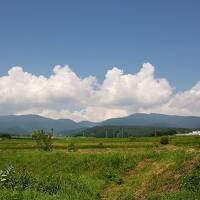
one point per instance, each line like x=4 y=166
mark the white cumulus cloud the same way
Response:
x=184 y=103
x=66 y=95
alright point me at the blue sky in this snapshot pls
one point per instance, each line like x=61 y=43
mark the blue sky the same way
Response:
x=92 y=36
x=155 y=42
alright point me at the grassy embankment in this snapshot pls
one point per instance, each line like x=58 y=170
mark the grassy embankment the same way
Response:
x=123 y=169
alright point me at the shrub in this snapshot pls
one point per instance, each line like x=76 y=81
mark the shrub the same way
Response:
x=8 y=178
x=43 y=140
x=71 y=147
x=164 y=140
x=12 y=179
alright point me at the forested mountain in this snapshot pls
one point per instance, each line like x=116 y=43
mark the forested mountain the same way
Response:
x=25 y=124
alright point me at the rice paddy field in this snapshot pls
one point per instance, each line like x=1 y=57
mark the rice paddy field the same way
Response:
x=108 y=169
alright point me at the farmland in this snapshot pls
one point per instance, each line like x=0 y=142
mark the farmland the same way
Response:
x=101 y=168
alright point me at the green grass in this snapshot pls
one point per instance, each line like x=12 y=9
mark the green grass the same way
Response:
x=118 y=168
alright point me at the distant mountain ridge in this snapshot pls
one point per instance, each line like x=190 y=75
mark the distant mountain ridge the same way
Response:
x=155 y=120
x=25 y=124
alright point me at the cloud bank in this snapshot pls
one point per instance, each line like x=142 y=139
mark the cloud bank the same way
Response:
x=66 y=95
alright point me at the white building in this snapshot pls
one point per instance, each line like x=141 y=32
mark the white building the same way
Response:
x=191 y=133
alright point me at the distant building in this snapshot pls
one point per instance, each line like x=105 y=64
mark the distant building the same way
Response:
x=191 y=133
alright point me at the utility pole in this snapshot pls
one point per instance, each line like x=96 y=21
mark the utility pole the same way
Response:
x=155 y=132
x=106 y=133
x=122 y=132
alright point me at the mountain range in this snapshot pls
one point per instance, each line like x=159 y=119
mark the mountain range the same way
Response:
x=25 y=124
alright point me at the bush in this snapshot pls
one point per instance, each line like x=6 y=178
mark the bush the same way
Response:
x=8 y=178
x=164 y=140
x=20 y=180
x=44 y=140
x=12 y=179
x=71 y=147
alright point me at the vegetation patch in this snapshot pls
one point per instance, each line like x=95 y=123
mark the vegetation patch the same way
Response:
x=164 y=140
x=109 y=169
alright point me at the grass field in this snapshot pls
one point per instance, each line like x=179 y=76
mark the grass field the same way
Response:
x=115 y=169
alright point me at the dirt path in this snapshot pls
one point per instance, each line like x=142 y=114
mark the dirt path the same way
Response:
x=136 y=177
x=138 y=181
